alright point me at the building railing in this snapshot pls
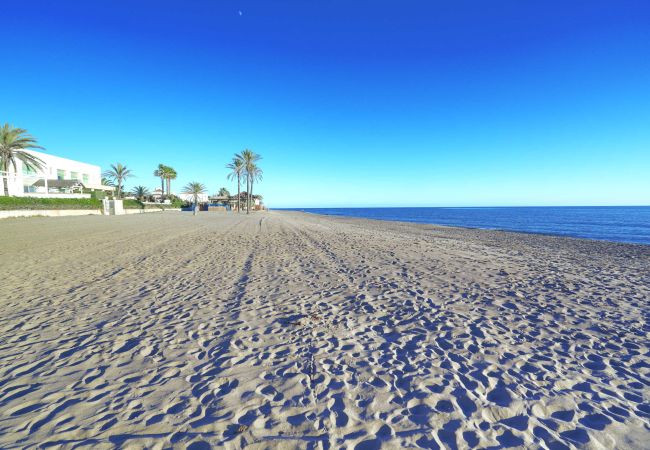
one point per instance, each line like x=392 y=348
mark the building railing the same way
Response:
x=23 y=185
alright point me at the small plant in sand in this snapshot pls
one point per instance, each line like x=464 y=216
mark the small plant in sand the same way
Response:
x=195 y=189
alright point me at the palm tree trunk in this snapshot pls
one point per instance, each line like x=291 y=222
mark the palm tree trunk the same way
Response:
x=162 y=187
x=5 y=178
x=238 y=195
x=248 y=195
x=252 y=200
x=169 y=186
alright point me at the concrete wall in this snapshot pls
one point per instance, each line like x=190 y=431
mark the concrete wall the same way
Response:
x=190 y=198
x=141 y=211
x=69 y=212
x=49 y=212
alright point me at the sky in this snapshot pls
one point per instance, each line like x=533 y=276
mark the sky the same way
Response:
x=350 y=103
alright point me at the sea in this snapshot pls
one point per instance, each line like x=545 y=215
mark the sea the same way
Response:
x=608 y=223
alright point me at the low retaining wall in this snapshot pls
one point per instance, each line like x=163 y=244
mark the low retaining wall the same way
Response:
x=70 y=212
x=49 y=212
x=141 y=211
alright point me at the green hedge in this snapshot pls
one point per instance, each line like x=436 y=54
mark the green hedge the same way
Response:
x=136 y=204
x=9 y=203
x=99 y=195
x=132 y=204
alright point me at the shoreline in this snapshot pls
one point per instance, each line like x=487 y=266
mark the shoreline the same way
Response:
x=488 y=231
x=159 y=330
x=550 y=234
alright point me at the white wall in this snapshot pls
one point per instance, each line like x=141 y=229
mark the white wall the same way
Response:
x=70 y=169
x=190 y=197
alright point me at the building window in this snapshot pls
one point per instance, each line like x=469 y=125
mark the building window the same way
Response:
x=28 y=188
x=74 y=176
x=85 y=178
x=60 y=174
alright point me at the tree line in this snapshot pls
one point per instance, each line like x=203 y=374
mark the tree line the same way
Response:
x=244 y=166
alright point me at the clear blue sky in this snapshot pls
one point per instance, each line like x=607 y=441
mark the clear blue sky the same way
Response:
x=351 y=103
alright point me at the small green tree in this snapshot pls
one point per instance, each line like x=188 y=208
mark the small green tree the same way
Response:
x=140 y=192
x=195 y=189
x=118 y=174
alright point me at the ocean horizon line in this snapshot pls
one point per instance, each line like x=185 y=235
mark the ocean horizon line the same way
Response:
x=628 y=224
x=458 y=207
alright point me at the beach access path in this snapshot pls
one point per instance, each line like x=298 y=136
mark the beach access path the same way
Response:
x=283 y=329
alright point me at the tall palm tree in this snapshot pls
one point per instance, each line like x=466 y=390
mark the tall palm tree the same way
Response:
x=13 y=143
x=161 y=172
x=236 y=171
x=140 y=192
x=170 y=174
x=255 y=175
x=118 y=174
x=194 y=189
x=250 y=158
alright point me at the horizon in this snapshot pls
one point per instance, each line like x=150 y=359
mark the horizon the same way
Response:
x=463 y=207
x=417 y=105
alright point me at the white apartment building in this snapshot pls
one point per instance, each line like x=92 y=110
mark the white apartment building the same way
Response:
x=59 y=177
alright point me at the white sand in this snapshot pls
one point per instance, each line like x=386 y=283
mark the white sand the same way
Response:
x=297 y=331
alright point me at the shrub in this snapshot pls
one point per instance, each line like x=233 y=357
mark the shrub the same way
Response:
x=99 y=195
x=132 y=204
x=10 y=203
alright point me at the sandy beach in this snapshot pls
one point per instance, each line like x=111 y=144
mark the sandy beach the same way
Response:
x=288 y=330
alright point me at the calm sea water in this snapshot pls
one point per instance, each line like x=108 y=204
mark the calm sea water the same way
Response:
x=616 y=223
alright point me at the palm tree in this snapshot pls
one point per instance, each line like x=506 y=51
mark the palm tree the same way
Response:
x=118 y=174
x=140 y=192
x=236 y=171
x=13 y=143
x=255 y=175
x=161 y=172
x=194 y=189
x=250 y=158
x=170 y=174
x=223 y=192
x=107 y=182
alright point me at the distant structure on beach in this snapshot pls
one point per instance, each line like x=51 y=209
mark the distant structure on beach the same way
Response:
x=57 y=178
x=202 y=198
x=231 y=202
